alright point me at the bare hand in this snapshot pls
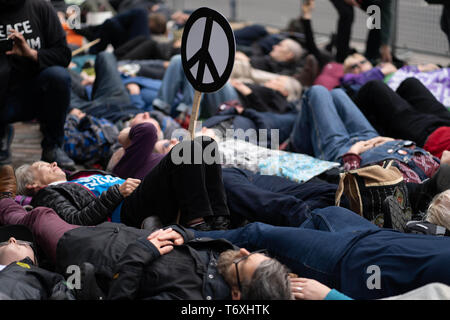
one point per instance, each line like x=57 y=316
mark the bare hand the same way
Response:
x=387 y=68
x=308 y=289
x=241 y=87
x=129 y=186
x=427 y=67
x=386 y=55
x=360 y=147
x=133 y=88
x=378 y=141
x=20 y=46
x=164 y=246
x=167 y=234
x=77 y=113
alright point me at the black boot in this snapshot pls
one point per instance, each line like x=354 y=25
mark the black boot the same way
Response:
x=152 y=223
x=6 y=138
x=56 y=154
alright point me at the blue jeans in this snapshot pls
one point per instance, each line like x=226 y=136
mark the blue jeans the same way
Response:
x=272 y=199
x=110 y=99
x=329 y=124
x=283 y=122
x=175 y=81
x=248 y=35
x=312 y=250
x=46 y=98
x=336 y=247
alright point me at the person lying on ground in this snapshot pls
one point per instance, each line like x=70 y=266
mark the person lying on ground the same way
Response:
x=410 y=113
x=332 y=128
x=339 y=248
x=89 y=198
x=277 y=95
x=132 y=263
x=250 y=196
x=358 y=71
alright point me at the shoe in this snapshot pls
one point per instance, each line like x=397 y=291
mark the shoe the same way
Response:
x=8 y=184
x=151 y=223
x=204 y=226
x=5 y=143
x=57 y=155
x=220 y=223
x=90 y=33
x=396 y=211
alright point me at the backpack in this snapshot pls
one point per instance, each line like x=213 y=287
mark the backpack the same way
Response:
x=377 y=193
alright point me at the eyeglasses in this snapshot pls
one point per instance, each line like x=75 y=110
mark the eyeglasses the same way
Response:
x=19 y=242
x=236 y=262
x=358 y=64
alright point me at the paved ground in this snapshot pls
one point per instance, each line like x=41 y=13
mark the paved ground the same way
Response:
x=26 y=146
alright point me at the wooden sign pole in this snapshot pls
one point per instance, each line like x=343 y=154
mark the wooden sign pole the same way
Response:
x=194 y=113
x=85 y=47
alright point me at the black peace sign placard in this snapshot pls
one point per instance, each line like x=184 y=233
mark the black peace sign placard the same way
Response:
x=207 y=50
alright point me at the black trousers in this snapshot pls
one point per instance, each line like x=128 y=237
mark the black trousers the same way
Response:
x=344 y=28
x=445 y=21
x=144 y=48
x=410 y=113
x=194 y=189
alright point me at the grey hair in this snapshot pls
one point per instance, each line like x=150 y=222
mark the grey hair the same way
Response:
x=270 y=281
x=295 y=48
x=439 y=210
x=24 y=177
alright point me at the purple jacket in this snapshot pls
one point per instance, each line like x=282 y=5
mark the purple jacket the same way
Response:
x=438 y=82
x=139 y=158
x=356 y=81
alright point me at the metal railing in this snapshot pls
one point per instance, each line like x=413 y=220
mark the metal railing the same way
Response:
x=416 y=24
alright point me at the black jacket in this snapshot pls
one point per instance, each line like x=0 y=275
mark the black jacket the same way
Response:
x=24 y=281
x=128 y=266
x=43 y=31
x=266 y=63
x=76 y=204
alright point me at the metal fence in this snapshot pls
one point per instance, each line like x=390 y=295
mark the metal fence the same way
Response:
x=417 y=24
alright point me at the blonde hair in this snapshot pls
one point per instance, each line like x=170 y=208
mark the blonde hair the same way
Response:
x=439 y=210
